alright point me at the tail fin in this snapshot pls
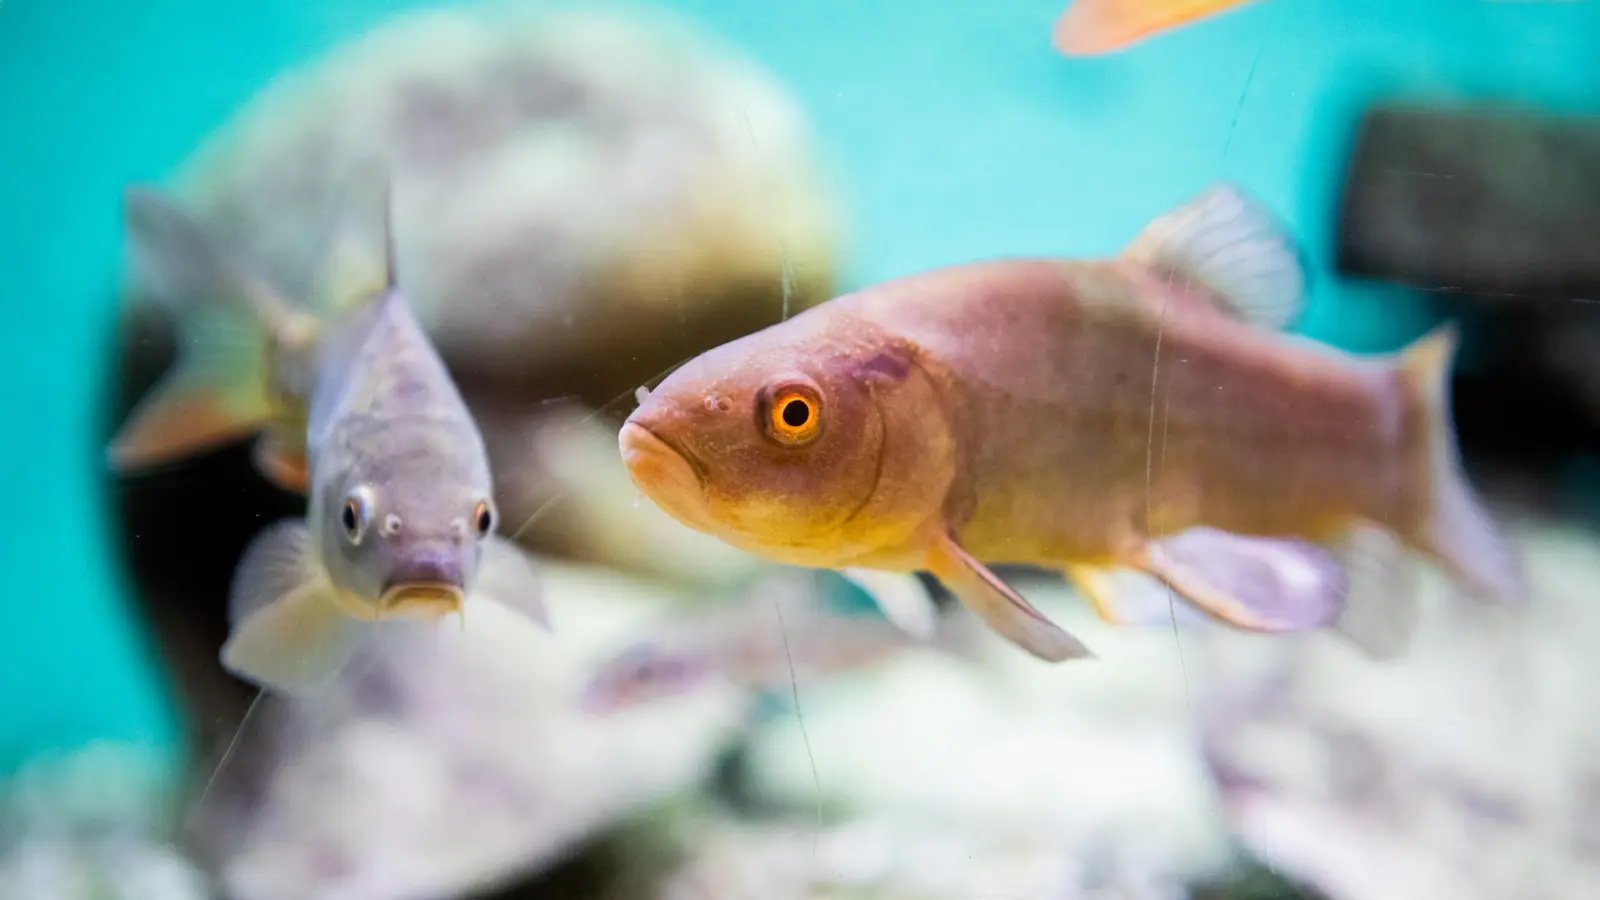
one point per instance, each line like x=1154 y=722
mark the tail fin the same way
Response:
x=1459 y=532
x=216 y=393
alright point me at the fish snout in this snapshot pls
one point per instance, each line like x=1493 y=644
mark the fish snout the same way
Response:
x=664 y=474
x=427 y=581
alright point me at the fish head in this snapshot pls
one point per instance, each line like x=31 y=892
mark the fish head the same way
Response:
x=404 y=533
x=815 y=442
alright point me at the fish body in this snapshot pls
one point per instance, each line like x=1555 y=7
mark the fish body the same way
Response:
x=1135 y=415
x=1097 y=27
x=400 y=520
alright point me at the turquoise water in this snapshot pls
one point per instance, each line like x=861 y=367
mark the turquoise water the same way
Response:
x=953 y=130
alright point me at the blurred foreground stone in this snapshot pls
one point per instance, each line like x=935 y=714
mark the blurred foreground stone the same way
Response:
x=94 y=825
x=1469 y=769
x=446 y=760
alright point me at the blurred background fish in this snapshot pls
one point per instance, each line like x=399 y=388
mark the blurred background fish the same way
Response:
x=401 y=514
x=1095 y=27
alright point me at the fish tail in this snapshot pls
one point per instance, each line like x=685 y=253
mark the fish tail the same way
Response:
x=1097 y=27
x=1457 y=530
x=217 y=391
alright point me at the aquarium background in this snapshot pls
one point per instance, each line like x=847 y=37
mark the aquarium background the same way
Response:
x=952 y=131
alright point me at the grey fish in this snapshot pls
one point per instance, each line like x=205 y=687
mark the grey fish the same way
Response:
x=401 y=517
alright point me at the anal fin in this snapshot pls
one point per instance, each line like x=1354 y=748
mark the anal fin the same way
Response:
x=1261 y=584
x=1002 y=608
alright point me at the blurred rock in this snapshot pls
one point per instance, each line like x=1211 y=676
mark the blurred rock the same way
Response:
x=444 y=761
x=582 y=199
x=877 y=860
x=94 y=825
x=1085 y=770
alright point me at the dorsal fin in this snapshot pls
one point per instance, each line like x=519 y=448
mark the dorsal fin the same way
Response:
x=359 y=264
x=1234 y=248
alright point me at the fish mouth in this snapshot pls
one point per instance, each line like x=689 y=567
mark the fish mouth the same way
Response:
x=421 y=598
x=665 y=474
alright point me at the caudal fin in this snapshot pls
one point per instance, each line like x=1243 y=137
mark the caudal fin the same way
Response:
x=215 y=393
x=1459 y=533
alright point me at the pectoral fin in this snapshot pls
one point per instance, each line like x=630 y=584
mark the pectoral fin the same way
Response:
x=1256 y=584
x=287 y=634
x=901 y=598
x=507 y=577
x=282 y=464
x=1005 y=611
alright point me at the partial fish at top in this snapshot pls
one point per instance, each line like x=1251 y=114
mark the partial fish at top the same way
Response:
x=401 y=518
x=1134 y=422
x=1096 y=27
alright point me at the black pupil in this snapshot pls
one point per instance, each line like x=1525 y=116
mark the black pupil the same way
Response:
x=485 y=519
x=349 y=517
x=796 y=413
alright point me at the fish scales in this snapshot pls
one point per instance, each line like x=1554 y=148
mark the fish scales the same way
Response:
x=1122 y=404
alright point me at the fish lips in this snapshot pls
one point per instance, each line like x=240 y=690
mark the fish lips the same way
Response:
x=430 y=586
x=665 y=475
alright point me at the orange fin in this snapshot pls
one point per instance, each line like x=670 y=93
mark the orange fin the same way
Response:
x=283 y=464
x=1097 y=27
x=180 y=418
x=1128 y=597
x=1002 y=608
x=1096 y=584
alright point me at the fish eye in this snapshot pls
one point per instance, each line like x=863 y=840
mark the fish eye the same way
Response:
x=354 y=516
x=794 y=414
x=483 y=518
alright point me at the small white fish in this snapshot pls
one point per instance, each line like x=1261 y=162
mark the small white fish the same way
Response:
x=401 y=516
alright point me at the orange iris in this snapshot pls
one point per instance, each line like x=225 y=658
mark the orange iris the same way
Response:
x=794 y=416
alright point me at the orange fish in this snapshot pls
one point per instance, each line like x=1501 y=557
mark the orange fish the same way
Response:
x=1136 y=423
x=1096 y=27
